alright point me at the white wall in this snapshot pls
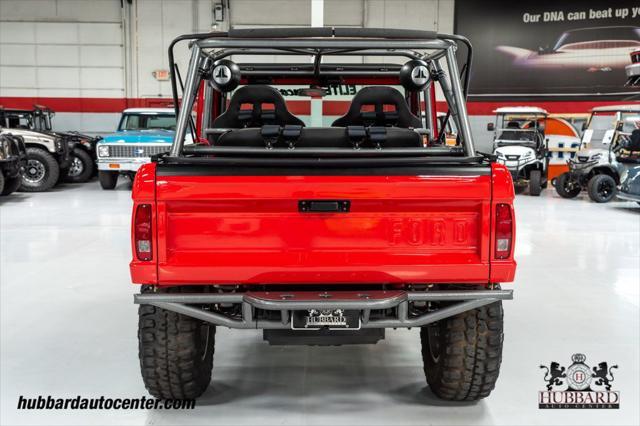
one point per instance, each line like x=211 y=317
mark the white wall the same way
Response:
x=61 y=48
x=93 y=49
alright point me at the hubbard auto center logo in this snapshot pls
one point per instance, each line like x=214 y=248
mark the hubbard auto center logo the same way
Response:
x=578 y=386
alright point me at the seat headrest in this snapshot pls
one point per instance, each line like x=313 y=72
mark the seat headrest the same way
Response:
x=378 y=106
x=254 y=106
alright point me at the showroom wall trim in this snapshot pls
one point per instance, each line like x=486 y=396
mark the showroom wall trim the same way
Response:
x=116 y=105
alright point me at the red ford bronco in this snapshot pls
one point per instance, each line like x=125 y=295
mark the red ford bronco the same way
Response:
x=322 y=221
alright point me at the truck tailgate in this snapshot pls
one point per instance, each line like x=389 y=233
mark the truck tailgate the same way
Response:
x=409 y=225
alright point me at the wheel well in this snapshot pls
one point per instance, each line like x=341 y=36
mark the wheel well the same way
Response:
x=606 y=171
x=526 y=170
x=35 y=145
x=82 y=147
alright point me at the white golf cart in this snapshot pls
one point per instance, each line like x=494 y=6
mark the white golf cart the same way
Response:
x=519 y=143
x=594 y=167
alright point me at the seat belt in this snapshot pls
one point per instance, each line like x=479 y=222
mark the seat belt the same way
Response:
x=270 y=134
x=291 y=134
x=357 y=135
x=377 y=136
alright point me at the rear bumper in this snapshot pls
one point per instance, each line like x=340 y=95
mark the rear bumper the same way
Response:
x=395 y=304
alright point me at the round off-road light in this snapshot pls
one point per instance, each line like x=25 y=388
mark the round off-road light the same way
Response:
x=414 y=75
x=225 y=75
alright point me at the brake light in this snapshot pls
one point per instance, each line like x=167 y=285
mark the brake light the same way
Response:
x=504 y=231
x=142 y=232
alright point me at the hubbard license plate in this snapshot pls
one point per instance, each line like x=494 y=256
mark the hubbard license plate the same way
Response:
x=333 y=319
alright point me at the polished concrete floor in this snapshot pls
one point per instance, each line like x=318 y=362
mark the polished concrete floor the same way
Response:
x=68 y=326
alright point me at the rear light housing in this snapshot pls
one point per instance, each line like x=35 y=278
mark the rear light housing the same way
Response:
x=504 y=231
x=142 y=232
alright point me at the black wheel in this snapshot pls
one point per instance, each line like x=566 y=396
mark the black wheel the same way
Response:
x=601 y=188
x=42 y=171
x=535 y=182
x=462 y=354
x=566 y=187
x=108 y=180
x=175 y=351
x=2 y=183
x=81 y=168
x=11 y=185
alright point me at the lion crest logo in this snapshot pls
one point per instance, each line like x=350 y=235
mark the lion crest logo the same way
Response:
x=578 y=376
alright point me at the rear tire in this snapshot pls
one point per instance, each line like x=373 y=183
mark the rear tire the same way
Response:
x=175 y=351
x=11 y=185
x=42 y=171
x=535 y=184
x=565 y=188
x=82 y=166
x=602 y=188
x=2 y=183
x=108 y=180
x=462 y=354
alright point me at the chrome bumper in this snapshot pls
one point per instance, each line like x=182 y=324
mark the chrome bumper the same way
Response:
x=286 y=302
x=122 y=164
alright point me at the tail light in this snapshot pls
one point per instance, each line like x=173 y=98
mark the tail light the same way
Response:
x=142 y=232
x=504 y=231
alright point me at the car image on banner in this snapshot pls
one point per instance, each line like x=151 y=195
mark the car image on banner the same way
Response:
x=582 y=50
x=551 y=49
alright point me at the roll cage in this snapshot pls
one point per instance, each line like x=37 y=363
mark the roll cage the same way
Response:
x=317 y=43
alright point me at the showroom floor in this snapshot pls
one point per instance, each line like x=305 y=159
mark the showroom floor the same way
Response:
x=69 y=326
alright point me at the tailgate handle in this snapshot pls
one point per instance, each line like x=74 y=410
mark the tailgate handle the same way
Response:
x=324 y=206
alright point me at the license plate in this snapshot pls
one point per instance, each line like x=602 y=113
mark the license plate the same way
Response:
x=333 y=319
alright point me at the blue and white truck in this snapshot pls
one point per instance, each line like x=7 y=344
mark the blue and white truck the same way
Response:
x=142 y=133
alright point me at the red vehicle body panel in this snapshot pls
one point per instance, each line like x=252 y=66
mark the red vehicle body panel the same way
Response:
x=421 y=228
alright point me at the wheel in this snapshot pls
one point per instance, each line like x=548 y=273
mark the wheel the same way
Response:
x=566 y=187
x=64 y=171
x=81 y=168
x=42 y=171
x=535 y=185
x=518 y=189
x=601 y=188
x=108 y=180
x=11 y=185
x=2 y=182
x=462 y=354
x=175 y=351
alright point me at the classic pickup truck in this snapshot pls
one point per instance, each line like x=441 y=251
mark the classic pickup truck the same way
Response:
x=322 y=235
x=142 y=132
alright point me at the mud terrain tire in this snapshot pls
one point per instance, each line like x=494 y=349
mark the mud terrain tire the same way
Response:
x=462 y=354
x=175 y=351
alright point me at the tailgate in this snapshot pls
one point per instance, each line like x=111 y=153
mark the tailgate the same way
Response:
x=417 y=225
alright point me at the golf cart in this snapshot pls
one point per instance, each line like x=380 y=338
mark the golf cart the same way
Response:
x=627 y=152
x=82 y=148
x=595 y=167
x=519 y=143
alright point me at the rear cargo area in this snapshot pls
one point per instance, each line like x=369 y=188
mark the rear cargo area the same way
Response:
x=406 y=225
